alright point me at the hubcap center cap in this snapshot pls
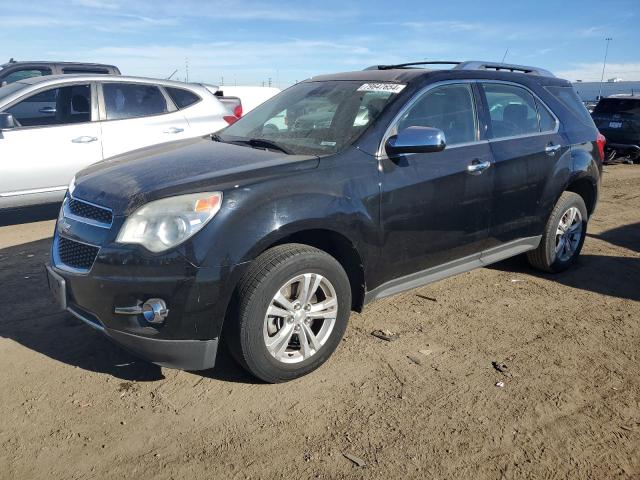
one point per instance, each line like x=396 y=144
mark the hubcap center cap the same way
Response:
x=299 y=316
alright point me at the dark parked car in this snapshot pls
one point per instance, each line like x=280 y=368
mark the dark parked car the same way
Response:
x=618 y=119
x=268 y=237
x=13 y=71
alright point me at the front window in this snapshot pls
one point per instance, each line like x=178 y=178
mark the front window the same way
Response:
x=55 y=106
x=316 y=118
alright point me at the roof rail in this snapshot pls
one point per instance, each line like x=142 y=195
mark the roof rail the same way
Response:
x=410 y=64
x=479 y=65
x=471 y=65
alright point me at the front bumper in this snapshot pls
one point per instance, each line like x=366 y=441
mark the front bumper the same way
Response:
x=196 y=298
x=182 y=354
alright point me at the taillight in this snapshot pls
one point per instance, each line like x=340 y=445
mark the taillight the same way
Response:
x=601 y=141
x=238 y=111
x=230 y=119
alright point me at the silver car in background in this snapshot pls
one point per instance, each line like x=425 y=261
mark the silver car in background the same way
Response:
x=53 y=126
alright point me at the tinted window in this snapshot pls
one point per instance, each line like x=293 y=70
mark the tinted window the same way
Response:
x=449 y=108
x=28 y=73
x=547 y=121
x=618 y=105
x=128 y=100
x=570 y=100
x=512 y=110
x=182 y=98
x=56 y=106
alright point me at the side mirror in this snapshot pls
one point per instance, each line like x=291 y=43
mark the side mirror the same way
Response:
x=416 y=140
x=4 y=83
x=7 y=121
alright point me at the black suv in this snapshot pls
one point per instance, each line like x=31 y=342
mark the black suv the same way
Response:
x=618 y=118
x=341 y=190
x=13 y=71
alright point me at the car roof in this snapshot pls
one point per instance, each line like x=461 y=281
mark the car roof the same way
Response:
x=97 y=77
x=410 y=75
x=43 y=62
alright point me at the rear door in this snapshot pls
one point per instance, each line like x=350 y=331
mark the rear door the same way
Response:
x=434 y=209
x=525 y=143
x=136 y=115
x=57 y=137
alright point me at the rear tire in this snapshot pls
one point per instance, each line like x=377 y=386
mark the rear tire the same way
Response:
x=290 y=313
x=563 y=235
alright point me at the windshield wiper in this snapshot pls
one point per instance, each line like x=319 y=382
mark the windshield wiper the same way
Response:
x=268 y=144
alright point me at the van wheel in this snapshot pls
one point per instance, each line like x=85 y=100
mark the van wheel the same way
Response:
x=291 y=311
x=563 y=235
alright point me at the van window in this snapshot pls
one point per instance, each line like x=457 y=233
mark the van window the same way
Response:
x=18 y=75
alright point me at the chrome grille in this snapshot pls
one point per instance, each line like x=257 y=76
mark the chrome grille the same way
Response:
x=75 y=254
x=89 y=211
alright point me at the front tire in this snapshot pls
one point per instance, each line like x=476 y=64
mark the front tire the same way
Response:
x=291 y=311
x=563 y=235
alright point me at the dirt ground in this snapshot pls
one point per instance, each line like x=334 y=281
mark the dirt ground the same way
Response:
x=73 y=405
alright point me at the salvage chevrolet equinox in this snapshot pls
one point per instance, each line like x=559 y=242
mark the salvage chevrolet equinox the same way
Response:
x=341 y=190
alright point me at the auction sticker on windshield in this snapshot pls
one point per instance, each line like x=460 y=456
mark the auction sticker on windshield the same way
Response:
x=381 y=87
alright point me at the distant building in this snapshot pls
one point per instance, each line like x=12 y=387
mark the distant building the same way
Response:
x=588 y=91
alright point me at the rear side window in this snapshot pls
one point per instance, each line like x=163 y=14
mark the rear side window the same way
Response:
x=512 y=110
x=569 y=98
x=629 y=106
x=449 y=108
x=182 y=98
x=128 y=100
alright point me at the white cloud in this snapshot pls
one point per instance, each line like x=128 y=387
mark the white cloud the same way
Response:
x=593 y=71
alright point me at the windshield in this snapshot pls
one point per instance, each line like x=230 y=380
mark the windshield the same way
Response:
x=316 y=118
x=618 y=105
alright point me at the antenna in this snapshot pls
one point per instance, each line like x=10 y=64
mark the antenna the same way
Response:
x=174 y=72
x=505 y=55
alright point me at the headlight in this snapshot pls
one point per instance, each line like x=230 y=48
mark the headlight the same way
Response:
x=165 y=223
x=72 y=186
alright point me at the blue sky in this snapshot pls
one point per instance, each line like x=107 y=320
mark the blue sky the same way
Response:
x=248 y=41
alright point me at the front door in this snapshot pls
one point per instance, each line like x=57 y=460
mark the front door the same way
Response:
x=55 y=139
x=435 y=206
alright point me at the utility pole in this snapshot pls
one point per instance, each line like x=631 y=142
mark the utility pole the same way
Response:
x=186 y=66
x=269 y=81
x=604 y=64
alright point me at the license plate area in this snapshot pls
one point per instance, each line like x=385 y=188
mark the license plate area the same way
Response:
x=615 y=124
x=57 y=287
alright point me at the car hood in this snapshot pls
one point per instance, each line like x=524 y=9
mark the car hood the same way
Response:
x=125 y=182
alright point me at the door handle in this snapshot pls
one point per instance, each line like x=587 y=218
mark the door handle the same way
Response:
x=84 y=139
x=48 y=110
x=552 y=149
x=174 y=130
x=477 y=167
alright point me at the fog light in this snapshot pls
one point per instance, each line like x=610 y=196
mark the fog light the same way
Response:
x=155 y=310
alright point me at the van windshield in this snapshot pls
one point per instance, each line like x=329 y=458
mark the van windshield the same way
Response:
x=313 y=118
